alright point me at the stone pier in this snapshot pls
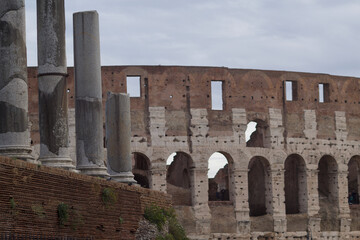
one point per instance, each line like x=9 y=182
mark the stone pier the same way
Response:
x=52 y=73
x=118 y=137
x=88 y=94
x=14 y=127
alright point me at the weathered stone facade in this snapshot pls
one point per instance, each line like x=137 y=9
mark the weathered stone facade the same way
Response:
x=292 y=183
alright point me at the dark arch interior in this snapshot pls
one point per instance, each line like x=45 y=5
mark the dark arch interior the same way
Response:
x=328 y=194
x=353 y=180
x=257 y=181
x=141 y=169
x=295 y=185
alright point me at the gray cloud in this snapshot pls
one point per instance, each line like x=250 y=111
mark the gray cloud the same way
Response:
x=298 y=35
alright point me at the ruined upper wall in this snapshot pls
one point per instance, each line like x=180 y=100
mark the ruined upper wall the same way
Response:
x=180 y=88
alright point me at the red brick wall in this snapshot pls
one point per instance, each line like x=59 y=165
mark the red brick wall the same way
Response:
x=38 y=190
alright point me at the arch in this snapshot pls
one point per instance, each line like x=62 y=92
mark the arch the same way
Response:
x=259 y=186
x=295 y=184
x=179 y=178
x=254 y=76
x=219 y=164
x=261 y=136
x=353 y=179
x=141 y=169
x=328 y=193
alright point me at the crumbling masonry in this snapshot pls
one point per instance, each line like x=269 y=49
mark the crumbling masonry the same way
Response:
x=291 y=179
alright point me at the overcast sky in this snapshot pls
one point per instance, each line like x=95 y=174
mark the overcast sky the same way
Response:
x=298 y=35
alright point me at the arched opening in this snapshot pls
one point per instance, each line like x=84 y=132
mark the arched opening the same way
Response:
x=295 y=185
x=259 y=181
x=219 y=193
x=179 y=178
x=141 y=166
x=260 y=137
x=353 y=190
x=328 y=193
x=353 y=180
x=218 y=175
x=260 y=194
x=295 y=193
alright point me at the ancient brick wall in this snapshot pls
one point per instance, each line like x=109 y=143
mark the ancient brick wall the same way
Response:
x=30 y=195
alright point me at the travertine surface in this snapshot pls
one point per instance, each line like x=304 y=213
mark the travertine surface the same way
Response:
x=88 y=110
x=52 y=72
x=14 y=122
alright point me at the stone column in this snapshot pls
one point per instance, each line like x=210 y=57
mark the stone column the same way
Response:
x=240 y=200
x=118 y=137
x=88 y=95
x=344 y=210
x=14 y=127
x=199 y=194
x=278 y=198
x=313 y=200
x=157 y=181
x=52 y=73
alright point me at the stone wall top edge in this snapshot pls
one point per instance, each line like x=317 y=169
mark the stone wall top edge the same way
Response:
x=149 y=67
x=16 y=163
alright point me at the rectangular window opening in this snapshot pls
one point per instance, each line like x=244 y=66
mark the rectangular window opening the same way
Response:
x=324 y=92
x=291 y=90
x=217 y=102
x=133 y=86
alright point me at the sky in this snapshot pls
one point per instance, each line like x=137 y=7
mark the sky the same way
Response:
x=320 y=36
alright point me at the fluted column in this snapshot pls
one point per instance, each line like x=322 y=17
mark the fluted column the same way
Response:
x=14 y=131
x=88 y=94
x=118 y=137
x=52 y=73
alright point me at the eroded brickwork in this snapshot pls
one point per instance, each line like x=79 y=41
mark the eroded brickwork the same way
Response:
x=174 y=114
x=30 y=195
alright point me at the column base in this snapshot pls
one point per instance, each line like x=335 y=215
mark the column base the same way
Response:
x=279 y=224
x=65 y=163
x=243 y=221
x=93 y=170
x=243 y=227
x=345 y=224
x=203 y=219
x=314 y=226
x=123 y=177
x=18 y=152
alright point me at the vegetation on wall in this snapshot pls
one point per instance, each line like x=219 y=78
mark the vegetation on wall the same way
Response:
x=12 y=203
x=76 y=219
x=121 y=220
x=108 y=196
x=165 y=218
x=63 y=213
x=38 y=209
